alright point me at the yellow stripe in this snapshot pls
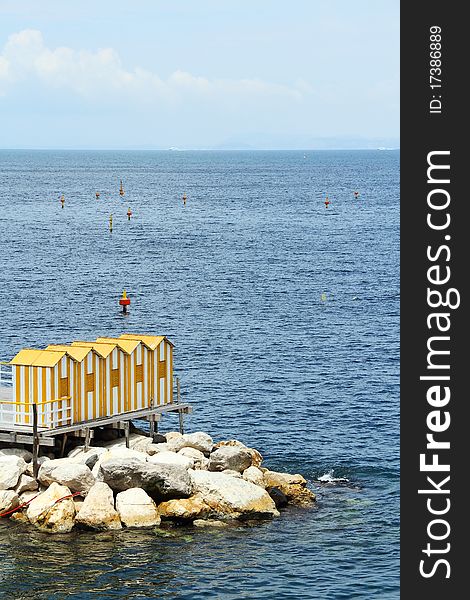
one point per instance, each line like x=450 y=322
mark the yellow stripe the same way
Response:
x=18 y=390
x=26 y=393
x=35 y=385
x=135 y=381
x=157 y=361
x=128 y=382
x=149 y=378
x=119 y=386
x=43 y=384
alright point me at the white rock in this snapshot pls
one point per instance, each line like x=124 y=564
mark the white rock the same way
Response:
x=198 y=440
x=28 y=495
x=230 y=457
x=24 y=454
x=254 y=475
x=77 y=477
x=171 y=435
x=137 y=509
x=97 y=511
x=49 y=512
x=154 y=448
x=8 y=500
x=232 y=497
x=26 y=484
x=171 y=458
x=200 y=461
x=11 y=467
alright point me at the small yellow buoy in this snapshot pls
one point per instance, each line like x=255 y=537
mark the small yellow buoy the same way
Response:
x=110 y=222
x=323 y=297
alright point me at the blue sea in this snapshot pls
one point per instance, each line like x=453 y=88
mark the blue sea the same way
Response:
x=285 y=318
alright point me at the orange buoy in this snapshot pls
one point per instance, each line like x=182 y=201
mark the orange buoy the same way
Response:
x=326 y=202
x=124 y=301
x=121 y=190
x=97 y=194
x=184 y=199
x=129 y=213
x=62 y=200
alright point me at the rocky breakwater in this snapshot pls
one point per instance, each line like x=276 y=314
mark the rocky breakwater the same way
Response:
x=184 y=479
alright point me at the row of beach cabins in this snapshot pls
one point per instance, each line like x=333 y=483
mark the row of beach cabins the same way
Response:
x=85 y=381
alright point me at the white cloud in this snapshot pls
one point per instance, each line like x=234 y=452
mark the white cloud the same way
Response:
x=99 y=75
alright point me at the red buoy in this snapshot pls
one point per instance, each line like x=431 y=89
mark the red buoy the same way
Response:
x=129 y=213
x=356 y=195
x=326 y=202
x=124 y=301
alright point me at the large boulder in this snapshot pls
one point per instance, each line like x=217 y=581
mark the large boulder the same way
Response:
x=199 y=460
x=97 y=511
x=77 y=477
x=8 y=500
x=230 y=457
x=26 y=484
x=161 y=482
x=137 y=509
x=233 y=498
x=186 y=509
x=11 y=468
x=294 y=487
x=172 y=435
x=171 y=458
x=52 y=511
x=24 y=454
x=256 y=458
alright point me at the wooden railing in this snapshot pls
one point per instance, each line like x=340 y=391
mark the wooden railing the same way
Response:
x=50 y=414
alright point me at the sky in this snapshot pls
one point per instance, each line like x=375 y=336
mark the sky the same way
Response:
x=199 y=74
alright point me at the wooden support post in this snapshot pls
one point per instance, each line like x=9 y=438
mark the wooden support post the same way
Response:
x=62 y=447
x=87 y=439
x=126 y=432
x=152 y=429
x=35 y=442
x=178 y=400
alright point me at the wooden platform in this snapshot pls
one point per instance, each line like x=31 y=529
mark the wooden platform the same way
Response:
x=23 y=434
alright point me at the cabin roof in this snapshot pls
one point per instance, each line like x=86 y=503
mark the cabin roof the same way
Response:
x=151 y=341
x=104 y=350
x=37 y=358
x=78 y=353
x=127 y=346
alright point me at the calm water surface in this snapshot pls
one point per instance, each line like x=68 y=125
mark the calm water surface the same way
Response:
x=235 y=278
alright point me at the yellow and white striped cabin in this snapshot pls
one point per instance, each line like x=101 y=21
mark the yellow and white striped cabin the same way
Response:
x=95 y=393
x=134 y=388
x=158 y=353
x=44 y=378
x=86 y=378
